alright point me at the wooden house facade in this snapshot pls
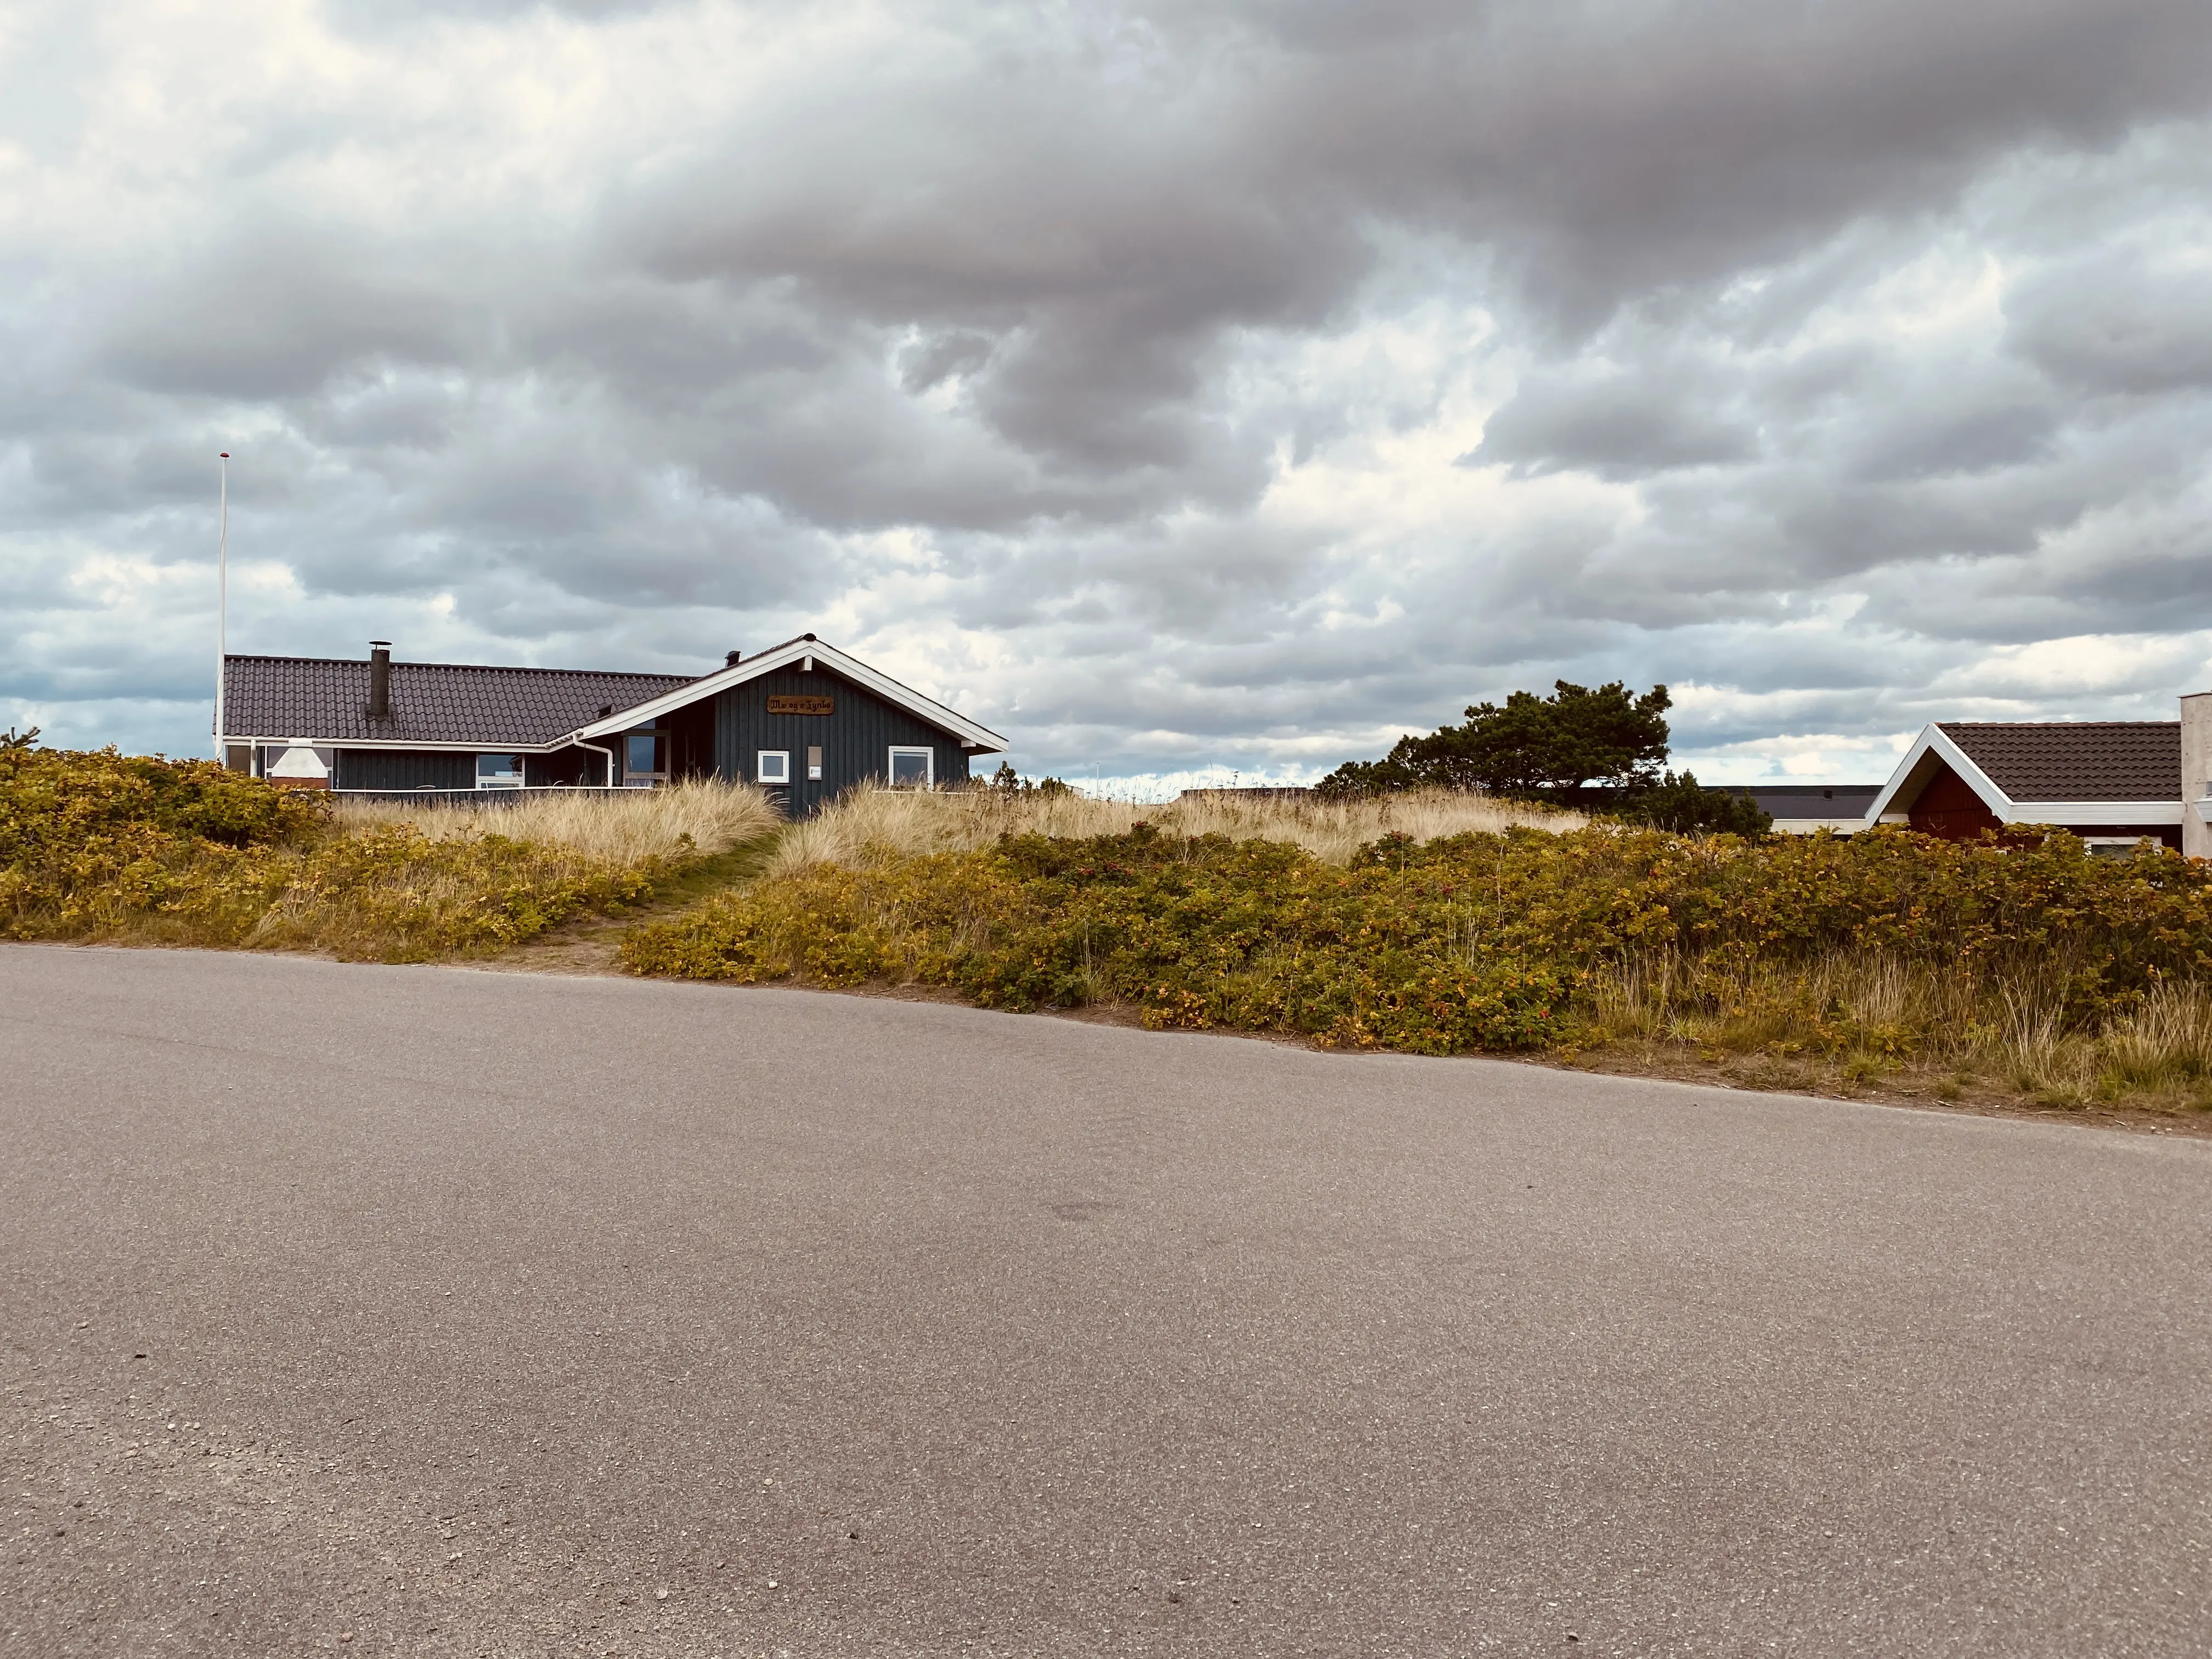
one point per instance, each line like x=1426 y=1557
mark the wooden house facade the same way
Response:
x=803 y=719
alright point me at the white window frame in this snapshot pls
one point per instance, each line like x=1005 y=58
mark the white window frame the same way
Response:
x=782 y=756
x=928 y=764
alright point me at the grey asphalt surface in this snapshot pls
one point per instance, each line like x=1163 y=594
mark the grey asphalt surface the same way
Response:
x=428 y=1311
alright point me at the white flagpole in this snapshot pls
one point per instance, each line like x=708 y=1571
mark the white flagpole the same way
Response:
x=222 y=605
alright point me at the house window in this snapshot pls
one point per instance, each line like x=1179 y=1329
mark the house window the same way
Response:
x=912 y=769
x=298 y=763
x=644 y=758
x=772 y=766
x=499 y=771
x=2112 y=846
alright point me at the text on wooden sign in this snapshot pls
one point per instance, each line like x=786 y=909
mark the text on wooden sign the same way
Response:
x=802 y=705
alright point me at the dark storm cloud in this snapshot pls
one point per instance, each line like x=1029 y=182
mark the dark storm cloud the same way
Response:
x=1617 y=427
x=1133 y=350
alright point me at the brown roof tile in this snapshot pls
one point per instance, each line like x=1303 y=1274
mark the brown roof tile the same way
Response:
x=431 y=702
x=2081 y=759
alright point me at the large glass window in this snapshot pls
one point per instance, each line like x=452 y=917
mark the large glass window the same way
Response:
x=645 y=758
x=772 y=766
x=499 y=771
x=911 y=769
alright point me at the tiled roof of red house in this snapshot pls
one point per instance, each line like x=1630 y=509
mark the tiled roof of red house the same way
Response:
x=431 y=702
x=2079 y=760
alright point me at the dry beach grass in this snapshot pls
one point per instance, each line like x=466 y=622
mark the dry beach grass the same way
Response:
x=869 y=823
x=621 y=826
x=107 y=847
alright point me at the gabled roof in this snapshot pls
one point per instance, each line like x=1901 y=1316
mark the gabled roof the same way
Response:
x=2078 y=772
x=2085 y=760
x=432 y=702
x=805 y=649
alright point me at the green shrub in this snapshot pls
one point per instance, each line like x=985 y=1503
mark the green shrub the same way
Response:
x=104 y=846
x=1486 y=941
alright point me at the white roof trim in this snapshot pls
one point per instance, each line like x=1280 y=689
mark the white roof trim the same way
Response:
x=921 y=707
x=439 y=744
x=2096 y=812
x=1931 y=741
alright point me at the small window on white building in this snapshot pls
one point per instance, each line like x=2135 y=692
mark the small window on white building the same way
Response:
x=772 y=766
x=499 y=771
x=912 y=769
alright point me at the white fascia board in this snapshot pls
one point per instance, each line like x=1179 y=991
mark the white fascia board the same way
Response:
x=443 y=745
x=1931 y=741
x=2068 y=813
x=936 y=714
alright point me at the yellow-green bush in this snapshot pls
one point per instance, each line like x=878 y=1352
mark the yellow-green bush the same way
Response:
x=102 y=846
x=1879 y=946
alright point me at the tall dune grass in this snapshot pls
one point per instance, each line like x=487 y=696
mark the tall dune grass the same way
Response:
x=617 y=826
x=1871 y=1011
x=869 y=823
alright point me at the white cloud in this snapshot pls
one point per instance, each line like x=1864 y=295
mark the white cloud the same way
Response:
x=1213 y=386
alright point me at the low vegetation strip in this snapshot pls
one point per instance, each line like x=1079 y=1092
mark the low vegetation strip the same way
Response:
x=868 y=822
x=102 y=847
x=1882 y=948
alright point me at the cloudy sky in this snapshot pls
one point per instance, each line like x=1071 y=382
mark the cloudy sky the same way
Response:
x=1173 y=388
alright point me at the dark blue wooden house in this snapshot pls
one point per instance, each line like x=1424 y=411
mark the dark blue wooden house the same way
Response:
x=803 y=720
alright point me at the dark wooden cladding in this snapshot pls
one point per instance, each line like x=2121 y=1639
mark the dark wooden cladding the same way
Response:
x=572 y=766
x=1948 y=807
x=802 y=705
x=404 y=770
x=690 y=731
x=855 y=740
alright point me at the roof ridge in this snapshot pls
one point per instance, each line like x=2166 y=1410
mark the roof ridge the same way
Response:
x=482 y=667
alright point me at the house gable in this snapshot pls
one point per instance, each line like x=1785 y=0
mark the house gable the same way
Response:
x=1947 y=806
x=2101 y=779
x=801 y=714
x=807 y=654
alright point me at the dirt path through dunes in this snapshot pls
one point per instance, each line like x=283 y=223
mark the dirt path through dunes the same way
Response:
x=588 y=945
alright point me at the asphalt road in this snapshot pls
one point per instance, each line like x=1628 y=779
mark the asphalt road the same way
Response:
x=428 y=1311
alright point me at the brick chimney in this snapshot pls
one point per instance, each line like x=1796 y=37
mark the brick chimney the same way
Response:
x=379 y=679
x=2196 y=774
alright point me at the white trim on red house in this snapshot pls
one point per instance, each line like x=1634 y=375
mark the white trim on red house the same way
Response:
x=1933 y=747
x=1930 y=750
